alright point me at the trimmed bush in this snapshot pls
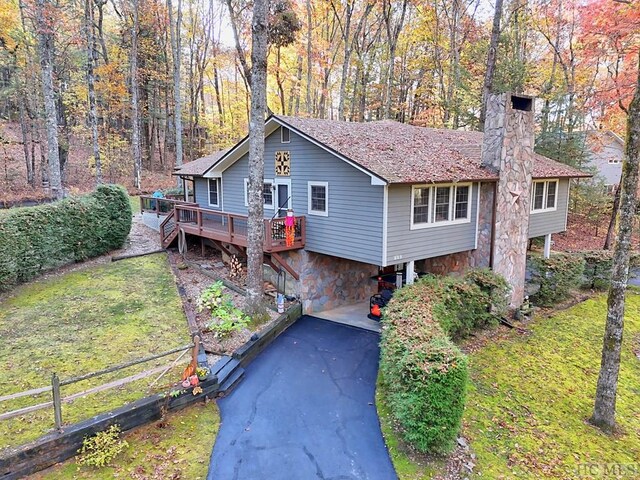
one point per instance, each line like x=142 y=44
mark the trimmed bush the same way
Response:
x=37 y=239
x=557 y=276
x=423 y=373
x=598 y=265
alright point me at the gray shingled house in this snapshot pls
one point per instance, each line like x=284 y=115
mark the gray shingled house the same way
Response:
x=382 y=197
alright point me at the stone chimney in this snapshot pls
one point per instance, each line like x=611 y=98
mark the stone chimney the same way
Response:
x=508 y=148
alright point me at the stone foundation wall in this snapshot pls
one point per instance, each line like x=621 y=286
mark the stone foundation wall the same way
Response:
x=328 y=282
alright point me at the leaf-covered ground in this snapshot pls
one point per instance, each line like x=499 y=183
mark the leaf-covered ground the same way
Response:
x=84 y=321
x=178 y=447
x=531 y=396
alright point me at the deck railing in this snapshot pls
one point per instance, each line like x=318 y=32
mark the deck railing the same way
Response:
x=160 y=206
x=232 y=228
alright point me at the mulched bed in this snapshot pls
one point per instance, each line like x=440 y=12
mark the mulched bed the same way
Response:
x=191 y=277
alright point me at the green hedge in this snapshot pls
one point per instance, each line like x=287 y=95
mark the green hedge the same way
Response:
x=557 y=276
x=423 y=373
x=37 y=239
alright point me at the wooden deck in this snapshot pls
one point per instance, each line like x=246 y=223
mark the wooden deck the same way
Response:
x=160 y=206
x=227 y=228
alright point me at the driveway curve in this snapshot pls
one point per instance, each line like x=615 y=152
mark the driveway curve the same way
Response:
x=305 y=410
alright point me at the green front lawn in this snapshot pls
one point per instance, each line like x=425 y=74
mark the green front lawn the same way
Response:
x=531 y=396
x=81 y=322
x=178 y=447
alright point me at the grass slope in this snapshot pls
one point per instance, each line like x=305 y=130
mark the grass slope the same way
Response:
x=531 y=396
x=178 y=447
x=81 y=322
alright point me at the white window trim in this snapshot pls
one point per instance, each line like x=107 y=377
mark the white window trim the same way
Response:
x=218 y=183
x=544 y=197
x=452 y=195
x=319 y=213
x=282 y=136
x=246 y=193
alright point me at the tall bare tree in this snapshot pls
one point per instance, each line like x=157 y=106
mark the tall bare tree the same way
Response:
x=44 y=27
x=394 y=22
x=605 y=403
x=174 y=31
x=492 y=56
x=255 y=241
x=135 y=108
x=92 y=57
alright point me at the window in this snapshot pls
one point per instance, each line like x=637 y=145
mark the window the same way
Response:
x=421 y=205
x=440 y=205
x=613 y=160
x=442 y=210
x=461 y=207
x=267 y=193
x=214 y=192
x=318 y=198
x=285 y=135
x=544 y=195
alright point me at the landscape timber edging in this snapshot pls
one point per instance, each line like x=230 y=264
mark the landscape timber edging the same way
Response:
x=56 y=447
x=250 y=349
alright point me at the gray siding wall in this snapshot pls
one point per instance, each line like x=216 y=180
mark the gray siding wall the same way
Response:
x=353 y=228
x=404 y=244
x=610 y=172
x=202 y=194
x=551 y=222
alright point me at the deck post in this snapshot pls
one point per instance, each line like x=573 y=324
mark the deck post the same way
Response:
x=411 y=265
x=547 y=245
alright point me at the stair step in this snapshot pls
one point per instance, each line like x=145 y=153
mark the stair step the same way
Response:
x=231 y=381
x=227 y=371
x=219 y=365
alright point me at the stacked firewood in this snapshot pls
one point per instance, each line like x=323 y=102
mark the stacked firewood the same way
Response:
x=236 y=270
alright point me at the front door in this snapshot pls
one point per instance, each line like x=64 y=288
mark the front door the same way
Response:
x=283 y=197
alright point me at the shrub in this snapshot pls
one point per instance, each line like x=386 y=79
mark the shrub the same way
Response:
x=423 y=374
x=37 y=239
x=598 y=265
x=474 y=301
x=99 y=450
x=494 y=287
x=226 y=318
x=557 y=275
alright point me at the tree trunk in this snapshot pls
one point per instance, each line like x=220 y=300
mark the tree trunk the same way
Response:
x=174 y=30
x=135 y=109
x=612 y=220
x=605 y=402
x=45 y=45
x=491 y=62
x=255 y=240
x=92 y=58
x=31 y=179
x=309 y=59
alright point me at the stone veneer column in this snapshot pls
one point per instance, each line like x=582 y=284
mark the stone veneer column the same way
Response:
x=508 y=147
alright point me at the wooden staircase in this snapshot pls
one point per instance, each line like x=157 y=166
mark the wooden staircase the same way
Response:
x=168 y=229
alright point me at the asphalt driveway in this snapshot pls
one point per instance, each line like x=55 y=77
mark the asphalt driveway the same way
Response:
x=305 y=410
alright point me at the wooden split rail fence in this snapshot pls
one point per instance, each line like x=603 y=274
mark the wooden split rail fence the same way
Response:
x=56 y=384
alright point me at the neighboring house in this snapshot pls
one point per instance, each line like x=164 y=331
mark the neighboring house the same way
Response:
x=374 y=198
x=605 y=151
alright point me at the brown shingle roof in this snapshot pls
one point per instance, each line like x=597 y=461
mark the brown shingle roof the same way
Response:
x=402 y=153
x=199 y=166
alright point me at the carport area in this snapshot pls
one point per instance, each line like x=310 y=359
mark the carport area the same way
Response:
x=354 y=315
x=305 y=409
